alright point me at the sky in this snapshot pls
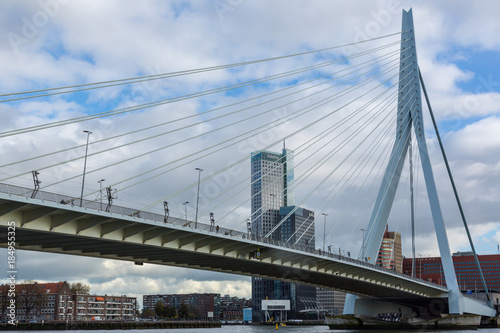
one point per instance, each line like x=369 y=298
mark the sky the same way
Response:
x=55 y=43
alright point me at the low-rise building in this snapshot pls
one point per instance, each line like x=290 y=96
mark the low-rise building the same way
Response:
x=231 y=307
x=206 y=306
x=330 y=302
x=95 y=307
x=40 y=301
x=56 y=302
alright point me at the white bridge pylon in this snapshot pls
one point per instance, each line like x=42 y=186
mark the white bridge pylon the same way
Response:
x=409 y=114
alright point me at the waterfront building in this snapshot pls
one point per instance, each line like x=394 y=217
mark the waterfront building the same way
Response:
x=207 y=306
x=40 y=301
x=55 y=301
x=431 y=269
x=231 y=308
x=104 y=307
x=330 y=302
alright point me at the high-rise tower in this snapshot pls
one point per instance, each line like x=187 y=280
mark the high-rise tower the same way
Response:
x=272 y=175
x=272 y=200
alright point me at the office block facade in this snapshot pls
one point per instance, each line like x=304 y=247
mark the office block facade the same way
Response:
x=272 y=201
x=431 y=269
x=390 y=255
x=272 y=175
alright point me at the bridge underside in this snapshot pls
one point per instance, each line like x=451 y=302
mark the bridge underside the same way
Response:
x=58 y=228
x=53 y=242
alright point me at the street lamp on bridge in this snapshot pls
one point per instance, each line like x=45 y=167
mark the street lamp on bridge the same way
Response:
x=100 y=189
x=85 y=165
x=363 y=245
x=197 y=198
x=185 y=210
x=324 y=231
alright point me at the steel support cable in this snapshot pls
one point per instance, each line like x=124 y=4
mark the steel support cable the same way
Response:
x=300 y=150
x=386 y=189
x=109 y=83
x=371 y=194
x=408 y=124
x=152 y=104
x=360 y=162
x=305 y=176
x=95 y=170
x=369 y=173
x=158 y=103
x=411 y=225
x=315 y=168
x=372 y=152
x=195 y=124
x=455 y=191
x=404 y=180
x=216 y=109
x=400 y=143
x=296 y=184
x=204 y=150
x=277 y=142
x=302 y=235
x=331 y=129
x=369 y=152
x=355 y=165
x=270 y=145
x=382 y=157
x=370 y=191
x=417 y=165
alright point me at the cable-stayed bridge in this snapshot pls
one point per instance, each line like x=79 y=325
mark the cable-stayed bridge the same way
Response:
x=338 y=113
x=46 y=224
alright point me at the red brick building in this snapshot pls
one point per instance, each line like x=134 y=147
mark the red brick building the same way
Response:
x=56 y=302
x=430 y=269
x=40 y=301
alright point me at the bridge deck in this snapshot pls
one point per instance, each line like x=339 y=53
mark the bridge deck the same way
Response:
x=45 y=224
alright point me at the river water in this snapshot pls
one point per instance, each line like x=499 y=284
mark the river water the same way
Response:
x=257 y=329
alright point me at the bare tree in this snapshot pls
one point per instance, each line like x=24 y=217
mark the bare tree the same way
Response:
x=4 y=299
x=80 y=288
x=30 y=298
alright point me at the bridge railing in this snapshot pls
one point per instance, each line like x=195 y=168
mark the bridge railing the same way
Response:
x=158 y=218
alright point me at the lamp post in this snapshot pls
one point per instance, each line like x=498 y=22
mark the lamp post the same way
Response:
x=197 y=197
x=85 y=165
x=324 y=231
x=100 y=189
x=185 y=210
x=249 y=228
x=363 y=246
x=271 y=212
